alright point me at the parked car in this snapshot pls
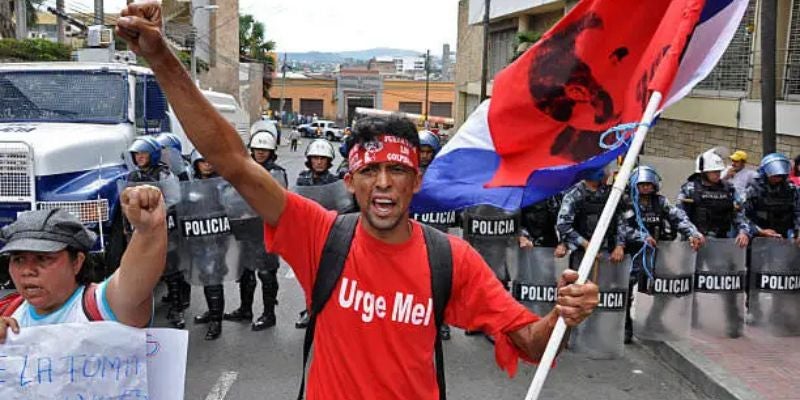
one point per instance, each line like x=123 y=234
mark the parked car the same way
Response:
x=322 y=129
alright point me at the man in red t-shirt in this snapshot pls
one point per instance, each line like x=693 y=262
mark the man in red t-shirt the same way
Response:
x=375 y=337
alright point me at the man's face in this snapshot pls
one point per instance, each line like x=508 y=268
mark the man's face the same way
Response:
x=713 y=176
x=205 y=168
x=320 y=164
x=738 y=165
x=425 y=156
x=142 y=159
x=261 y=156
x=45 y=280
x=646 y=188
x=384 y=192
x=776 y=179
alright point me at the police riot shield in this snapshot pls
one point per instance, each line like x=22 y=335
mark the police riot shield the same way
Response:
x=493 y=233
x=536 y=278
x=441 y=221
x=663 y=304
x=775 y=286
x=333 y=196
x=171 y=190
x=248 y=230
x=601 y=335
x=718 y=308
x=209 y=250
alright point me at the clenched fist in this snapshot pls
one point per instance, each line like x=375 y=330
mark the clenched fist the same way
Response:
x=144 y=207
x=140 y=26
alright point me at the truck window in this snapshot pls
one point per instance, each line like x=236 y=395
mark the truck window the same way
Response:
x=63 y=96
x=151 y=104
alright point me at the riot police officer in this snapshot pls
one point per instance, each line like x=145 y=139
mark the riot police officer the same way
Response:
x=772 y=204
x=212 y=260
x=660 y=219
x=429 y=146
x=172 y=155
x=539 y=226
x=146 y=153
x=262 y=146
x=319 y=160
x=713 y=205
x=579 y=214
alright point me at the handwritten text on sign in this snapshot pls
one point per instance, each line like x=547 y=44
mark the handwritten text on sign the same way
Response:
x=99 y=361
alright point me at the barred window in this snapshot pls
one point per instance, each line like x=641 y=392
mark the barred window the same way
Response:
x=731 y=76
x=792 y=81
x=501 y=50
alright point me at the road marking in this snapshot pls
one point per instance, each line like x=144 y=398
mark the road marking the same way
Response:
x=224 y=383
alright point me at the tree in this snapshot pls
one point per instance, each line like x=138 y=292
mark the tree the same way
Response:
x=254 y=48
x=7 y=26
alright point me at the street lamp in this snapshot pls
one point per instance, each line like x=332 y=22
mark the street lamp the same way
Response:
x=208 y=8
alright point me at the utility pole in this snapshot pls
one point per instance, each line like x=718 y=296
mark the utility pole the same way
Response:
x=60 y=34
x=427 y=85
x=22 y=19
x=768 y=48
x=283 y=84
x=485 y=62
x=98 y=12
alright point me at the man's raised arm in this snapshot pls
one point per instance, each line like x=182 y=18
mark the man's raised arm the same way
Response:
x=212 y=135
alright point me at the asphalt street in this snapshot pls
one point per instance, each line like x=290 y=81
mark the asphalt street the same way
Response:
x=267 y=365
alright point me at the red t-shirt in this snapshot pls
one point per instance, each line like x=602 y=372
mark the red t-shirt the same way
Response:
x=374 y=339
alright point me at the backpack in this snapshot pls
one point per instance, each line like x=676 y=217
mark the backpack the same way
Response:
x=331 y=266
x=11 y=302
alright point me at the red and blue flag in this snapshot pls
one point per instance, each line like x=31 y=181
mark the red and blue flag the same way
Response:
x=593 y=71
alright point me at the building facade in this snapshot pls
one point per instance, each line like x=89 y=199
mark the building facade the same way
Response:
x=337 y=98
x=723 y=110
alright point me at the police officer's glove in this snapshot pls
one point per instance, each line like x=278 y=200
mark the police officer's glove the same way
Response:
x=617 y=255
x=525 y=243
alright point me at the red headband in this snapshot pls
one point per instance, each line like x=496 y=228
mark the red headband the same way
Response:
x=385 y=148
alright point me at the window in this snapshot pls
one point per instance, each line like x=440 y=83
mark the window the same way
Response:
x=275 y=104
x=411 y=107
x=63 y=96
x=731 y=77
x=792 y=82
x=442 y=109
x=501 y=49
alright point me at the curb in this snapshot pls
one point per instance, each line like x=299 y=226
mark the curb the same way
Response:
x=706 y=375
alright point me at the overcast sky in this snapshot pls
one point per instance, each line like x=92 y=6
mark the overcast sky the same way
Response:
x=328 y=25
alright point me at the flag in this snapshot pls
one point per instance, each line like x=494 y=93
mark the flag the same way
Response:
x=594 y=70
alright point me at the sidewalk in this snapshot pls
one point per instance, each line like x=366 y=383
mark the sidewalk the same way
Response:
x=755 y=366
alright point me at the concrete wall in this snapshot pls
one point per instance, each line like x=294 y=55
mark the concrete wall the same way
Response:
x=296 y=89
x=223 y=74
x=680 y=139
x=468 y=65
x=395 y=92
x=251 y=89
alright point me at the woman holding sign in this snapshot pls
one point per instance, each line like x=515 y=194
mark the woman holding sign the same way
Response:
x=47 y=252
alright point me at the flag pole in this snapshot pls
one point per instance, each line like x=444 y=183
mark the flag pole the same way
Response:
x=594 y=245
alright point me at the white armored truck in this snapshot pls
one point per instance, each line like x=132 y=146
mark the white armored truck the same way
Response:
x=64 y=133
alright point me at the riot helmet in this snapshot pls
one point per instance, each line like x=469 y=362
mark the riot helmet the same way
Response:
x=775 y=164
x=595 y=175
x=263 y=126
x=148 y=145
x=645 y=174
x=320 y=148
x=709 y=161
x=263 y=140
x=428 y=138
x=195 y=159
x=169 y=141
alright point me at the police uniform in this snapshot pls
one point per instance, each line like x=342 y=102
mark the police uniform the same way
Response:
x=580 y=213
x=775 y=207
x=309 y=178
x=539 y=222
x=715 y=209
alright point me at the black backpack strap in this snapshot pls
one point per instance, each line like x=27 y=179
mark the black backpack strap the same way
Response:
x=331 y=265
x=440 y=259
